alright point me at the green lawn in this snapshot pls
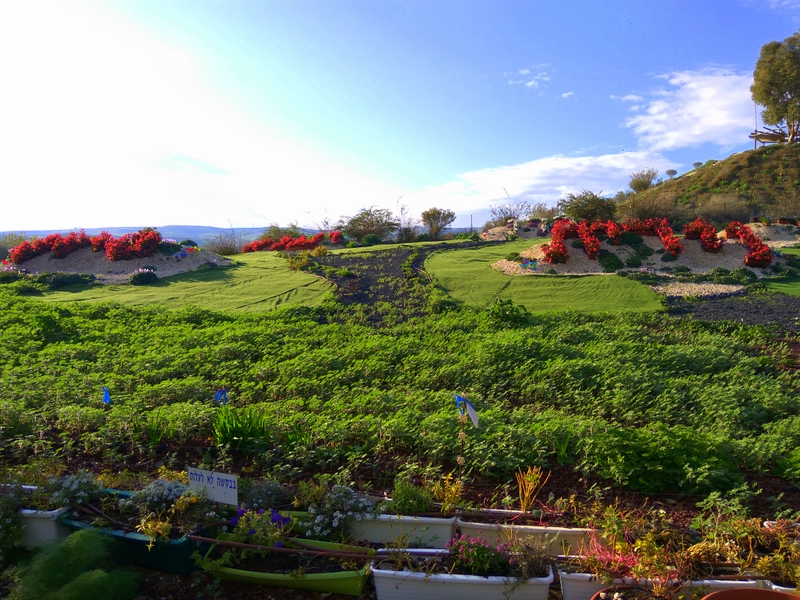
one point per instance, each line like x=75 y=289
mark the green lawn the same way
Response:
x=257 y=282
x=468 y=277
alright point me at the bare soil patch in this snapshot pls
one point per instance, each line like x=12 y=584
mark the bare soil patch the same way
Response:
x=108 y=271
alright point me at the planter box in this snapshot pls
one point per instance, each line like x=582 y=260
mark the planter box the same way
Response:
x=779 y=588
x=174 y=556
x=402 y=585
x=431 y=532
x=582 y=586
x=350 y=583
x=566 y=540
x=42 y=527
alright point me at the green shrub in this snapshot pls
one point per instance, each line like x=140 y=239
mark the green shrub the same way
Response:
x=10 y=276
x=631 y=239
x=577 y=243
x=610 y=261
x=54 y=281
x=226 y=244
x=514 y=257
x=168 y=248
x=76 y=568
x=143 y=277
x=371 y=239
x=634 y=262
x=408 y=498
x=667 y=257
x=188 y=244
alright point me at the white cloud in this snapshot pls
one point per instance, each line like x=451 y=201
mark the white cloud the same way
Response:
x=631 y=98
x=524 y=71
x=775 y=4
x=567 y=94
x=708 y=106
x=543 y=180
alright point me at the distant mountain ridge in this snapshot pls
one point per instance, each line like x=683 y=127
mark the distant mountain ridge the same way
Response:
x=199 y=234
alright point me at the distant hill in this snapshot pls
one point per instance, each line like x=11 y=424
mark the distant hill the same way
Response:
x=200 y=234
x=762 y=182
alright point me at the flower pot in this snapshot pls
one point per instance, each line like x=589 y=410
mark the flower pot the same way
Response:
x=752 y=262
x=422 y=532
x=717 y=585
x=174 y=556
x=401 y=585
x=749 y=594
x=583 y=586
x=350 y=583
x=565 y=540
x=42 y=527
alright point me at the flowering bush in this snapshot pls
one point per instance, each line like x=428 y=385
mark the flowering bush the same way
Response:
x=759 y=253
x=287 y=242
x=556 y=251
x=591 y=244
x=732 y=230
x=141 y=244
x=72 y=490
x=98 y=241
x=613 y=231
x=337 y=237
x=671 y=242
x=642 y=226
x=329 y=514
x=702 y=230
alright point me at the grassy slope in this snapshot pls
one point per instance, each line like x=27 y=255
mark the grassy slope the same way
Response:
x=467 y=277
x=259 y=281
x=760 y=177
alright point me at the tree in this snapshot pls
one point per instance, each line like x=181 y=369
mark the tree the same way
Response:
x=671 y=173
x=643 y=180
x=587 y=205
x=503 y=212
x=776 y=84
x=436 y=219
x=406 y=226
x=540 y=210
x=377 y=221
x=697 y=165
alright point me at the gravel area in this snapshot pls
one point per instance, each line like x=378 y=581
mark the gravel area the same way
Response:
x=751 y=309
x=108 y=272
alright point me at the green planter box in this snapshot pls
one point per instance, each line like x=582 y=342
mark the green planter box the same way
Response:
x=350 y=583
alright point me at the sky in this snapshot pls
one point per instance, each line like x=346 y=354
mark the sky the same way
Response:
x=245 y=113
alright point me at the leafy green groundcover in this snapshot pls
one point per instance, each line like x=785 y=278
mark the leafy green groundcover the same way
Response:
x=619 y=396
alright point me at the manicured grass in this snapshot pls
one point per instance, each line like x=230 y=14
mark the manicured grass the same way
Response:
x=783 y=285
x=468 y=277
x=257 y=282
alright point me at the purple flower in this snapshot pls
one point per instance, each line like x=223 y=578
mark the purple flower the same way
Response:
x=260 y=511
x=251 y=532
x=279 y=544
x=235 y=521
x=240 y=511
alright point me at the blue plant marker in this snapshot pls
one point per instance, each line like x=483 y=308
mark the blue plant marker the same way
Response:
x=222 y=397
x=465 y=405
x=106 y=396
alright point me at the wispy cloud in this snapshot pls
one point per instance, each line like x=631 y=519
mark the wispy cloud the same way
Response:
x=530 y=82
x=543 y=180
x=567 y=94
x=631 y=98
x=774 y=4
x=708 y=106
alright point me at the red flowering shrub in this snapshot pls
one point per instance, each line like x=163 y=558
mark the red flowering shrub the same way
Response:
x=141 y=244
x=702 y=230
x=590 y=242
x=556 y=251
x=671 y=242
x=642 y=227
x=25 y=251
x=613 y=231
x=62 y=246
x=337 y=237
x=759 y=254
x=98 y=242
x=55 y=242
x=732 y=230
x=287 y=243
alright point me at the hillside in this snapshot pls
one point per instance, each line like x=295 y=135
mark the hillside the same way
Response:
x=763 y=182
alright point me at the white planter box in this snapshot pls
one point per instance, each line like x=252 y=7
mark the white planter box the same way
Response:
x=422 y=532
x=563 y=540
x=716 y=585
x=582 y=586
x=779 y=588
x=402 y=585
x=41 y=527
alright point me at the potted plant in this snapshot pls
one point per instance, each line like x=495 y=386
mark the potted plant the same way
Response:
x=408 y=516
x=153 y=523
x=527 y=523
x=256 y=547
x=470 y=568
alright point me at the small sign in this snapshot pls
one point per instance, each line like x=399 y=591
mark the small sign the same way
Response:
x=219 y=487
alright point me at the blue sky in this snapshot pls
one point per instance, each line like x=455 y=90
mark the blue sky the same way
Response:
x=246 y=113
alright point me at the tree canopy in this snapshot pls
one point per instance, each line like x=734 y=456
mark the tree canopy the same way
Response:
x=436 y=219
x=377 y=221
x=776 y=84
x=643 y=180
x=587 y=205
